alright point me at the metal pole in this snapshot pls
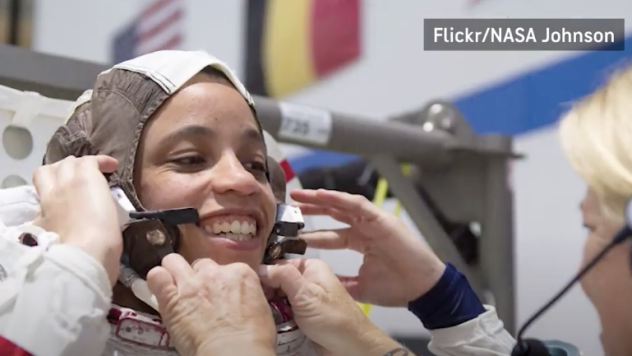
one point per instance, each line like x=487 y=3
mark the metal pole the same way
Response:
x=51 y=76
x=366 y=136
x=497 y=243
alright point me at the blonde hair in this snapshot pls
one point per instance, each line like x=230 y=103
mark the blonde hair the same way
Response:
x=596 y=135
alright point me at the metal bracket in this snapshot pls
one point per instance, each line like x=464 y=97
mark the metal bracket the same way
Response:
x=472 y=188
x=423 y=218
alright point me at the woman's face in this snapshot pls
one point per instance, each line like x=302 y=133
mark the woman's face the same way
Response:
x=609 y=284
x=202 y=149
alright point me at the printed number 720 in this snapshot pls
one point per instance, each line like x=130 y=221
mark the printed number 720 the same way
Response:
x=296 y=127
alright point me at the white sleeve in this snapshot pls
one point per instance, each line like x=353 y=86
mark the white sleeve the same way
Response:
x=54 y=298
x=483 y=336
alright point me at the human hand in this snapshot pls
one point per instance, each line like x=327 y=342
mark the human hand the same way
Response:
x=322 y=308
x=211 y=309
x=76 y=204
x=397 y=267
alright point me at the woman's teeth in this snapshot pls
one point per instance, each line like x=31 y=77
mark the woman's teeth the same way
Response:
x=236 y=230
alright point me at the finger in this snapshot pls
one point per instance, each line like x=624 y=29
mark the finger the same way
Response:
x=203 y=263
x=44 y=180
x=351 y=204
x=70 y=166
x=327 y=239
x=311 y=209
x=161 y=284
x=352 y=286
x=299 y=263
x=178 y=267
x=94 y=164
x=307 y=196
x=106 y=164
x=285 y=276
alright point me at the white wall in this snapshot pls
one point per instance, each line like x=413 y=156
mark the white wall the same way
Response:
x=394 y=75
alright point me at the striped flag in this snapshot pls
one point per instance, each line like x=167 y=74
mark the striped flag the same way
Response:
x=159 y=26
x=291 y=44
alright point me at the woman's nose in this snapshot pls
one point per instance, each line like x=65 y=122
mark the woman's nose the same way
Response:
x=229 y=175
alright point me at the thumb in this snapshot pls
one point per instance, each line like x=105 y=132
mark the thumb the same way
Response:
x=284 y=276
x=161 y=285
x=106 y=164
x=352 y=286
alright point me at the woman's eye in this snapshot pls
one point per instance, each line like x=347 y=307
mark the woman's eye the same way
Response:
x=189 y=161
x=256 y=166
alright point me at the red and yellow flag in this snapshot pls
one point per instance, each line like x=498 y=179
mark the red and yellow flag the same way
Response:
x=291 y=44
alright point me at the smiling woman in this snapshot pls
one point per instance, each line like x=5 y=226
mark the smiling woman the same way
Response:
x=205 y=148
x=185 y=133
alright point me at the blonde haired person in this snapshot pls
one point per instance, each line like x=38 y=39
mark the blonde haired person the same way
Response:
x=596 y=135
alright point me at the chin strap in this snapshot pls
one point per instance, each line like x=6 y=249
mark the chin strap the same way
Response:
x=137 y=285
x=289 y=222
x=154 y=225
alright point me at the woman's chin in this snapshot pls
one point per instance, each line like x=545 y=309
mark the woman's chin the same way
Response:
x=225 y=251
x=245 y=245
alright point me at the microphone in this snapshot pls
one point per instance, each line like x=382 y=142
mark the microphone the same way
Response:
x=535 y=347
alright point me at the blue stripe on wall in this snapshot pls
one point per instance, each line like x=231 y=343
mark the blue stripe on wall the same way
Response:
x=525 y=103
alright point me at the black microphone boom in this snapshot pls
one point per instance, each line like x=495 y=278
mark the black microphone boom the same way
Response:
x=531 y=347
x=534 y=347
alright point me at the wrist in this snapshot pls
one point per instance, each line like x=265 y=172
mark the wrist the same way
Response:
x=238 y=348
x=375 y=343
x=419 y=286
x=237 y=345
x=98 y=244
x=449 y=303
x=108 y=256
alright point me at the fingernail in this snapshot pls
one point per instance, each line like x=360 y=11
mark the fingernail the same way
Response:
x=262 y=270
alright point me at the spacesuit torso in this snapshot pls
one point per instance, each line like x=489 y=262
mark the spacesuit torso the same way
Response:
x=139 y=334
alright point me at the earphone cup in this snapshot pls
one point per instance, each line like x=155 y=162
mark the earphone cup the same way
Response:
x=143 y=255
